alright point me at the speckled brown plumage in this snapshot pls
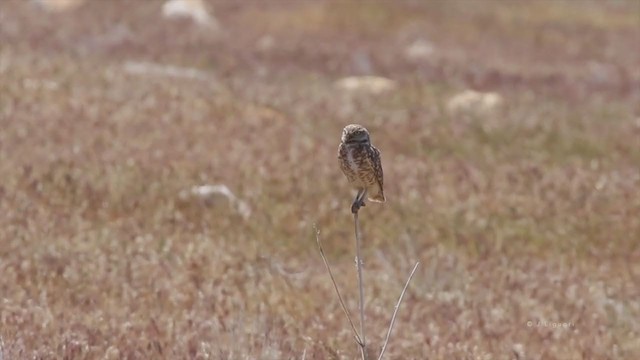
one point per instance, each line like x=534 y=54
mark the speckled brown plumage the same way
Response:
x=361 y=164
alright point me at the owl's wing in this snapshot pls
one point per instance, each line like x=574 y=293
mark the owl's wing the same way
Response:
x=376 y=163
x=342 y=157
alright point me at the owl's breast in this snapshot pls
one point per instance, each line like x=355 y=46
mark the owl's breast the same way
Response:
x=351 y=164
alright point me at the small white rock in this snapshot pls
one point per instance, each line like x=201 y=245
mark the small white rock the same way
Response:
x=58 y=5
x=215 y=195
x=518 y=351
x=370 y=84
x=195 y=10
x=474 y=103
x=154 y=69
x=419 y=50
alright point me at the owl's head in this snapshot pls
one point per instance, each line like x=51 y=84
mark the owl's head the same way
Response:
x=355 y=134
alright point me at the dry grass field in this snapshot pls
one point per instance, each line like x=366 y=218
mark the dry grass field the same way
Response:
x=525 y=217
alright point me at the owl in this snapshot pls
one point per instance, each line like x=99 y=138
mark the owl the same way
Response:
x=360 y=162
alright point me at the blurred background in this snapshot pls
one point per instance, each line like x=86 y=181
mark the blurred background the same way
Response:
x=163 y=163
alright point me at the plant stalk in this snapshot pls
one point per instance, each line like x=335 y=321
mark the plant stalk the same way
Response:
x=359 y=263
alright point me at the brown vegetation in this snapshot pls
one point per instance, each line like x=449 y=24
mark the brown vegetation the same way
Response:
x=528 y=214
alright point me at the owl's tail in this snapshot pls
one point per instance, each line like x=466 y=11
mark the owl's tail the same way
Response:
x=377 y=197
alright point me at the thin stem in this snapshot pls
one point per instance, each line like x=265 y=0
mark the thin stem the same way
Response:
x=335 y=286
x=363 y=344
x=395 y=311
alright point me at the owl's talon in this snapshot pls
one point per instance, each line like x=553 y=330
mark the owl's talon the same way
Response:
x=356 y=206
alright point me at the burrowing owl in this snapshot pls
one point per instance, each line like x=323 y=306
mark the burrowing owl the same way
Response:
x=360 y=162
